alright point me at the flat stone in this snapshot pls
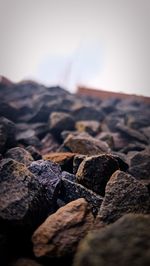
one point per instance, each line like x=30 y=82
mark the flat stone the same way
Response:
x=126 y=242
x=123 y=194
x=61 y=232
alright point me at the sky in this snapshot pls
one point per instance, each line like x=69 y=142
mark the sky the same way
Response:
x=98 y=43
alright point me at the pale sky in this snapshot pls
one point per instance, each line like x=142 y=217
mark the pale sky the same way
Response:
x=100 y=43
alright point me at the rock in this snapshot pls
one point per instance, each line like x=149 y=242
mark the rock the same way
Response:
x=59 y=121
x=34 y=153
x=140 y=165
x=131 y=134
x=91 y=127
x=7 y=134
x=76 y=162
x=123 y=194
x=8 y=111
x=61 y=232
x=25 y=262
x=24 y=201
x=69 y=176
x=126 y=242
x=49 y=144
x=85 y=145
x=23 y=136
x=20 y=155
x=86 y=112
x=136 y=146
x=48 y=174
x=64 y=159
x=70 y=190
x=95 y=171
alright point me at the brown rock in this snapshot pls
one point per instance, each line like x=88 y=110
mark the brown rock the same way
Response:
x=64 y=159
x=95 y=171
x=85 y=145
x=61 y=232
x=123 y=194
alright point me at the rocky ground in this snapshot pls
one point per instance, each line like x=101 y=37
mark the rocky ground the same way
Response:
x=74 y=178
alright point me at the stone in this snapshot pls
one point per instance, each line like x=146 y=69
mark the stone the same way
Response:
x=24 y=201
x=123 y=194
x=85 y=145
x=61 y=232
x=49 y=144
x=34 y=152
x=131 y=134
x=64 y=159
x=140 y=165
x=8 y=111
x=60 y=121
x=76 y=162
x=49 y=174
x=7 y=134
x=86 y=112
x=91 y=127
x=95 y=171
x=70 y=190
x=127 y=242
x=20 y=155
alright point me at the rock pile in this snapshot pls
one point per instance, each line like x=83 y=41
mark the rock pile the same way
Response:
x=74 y=178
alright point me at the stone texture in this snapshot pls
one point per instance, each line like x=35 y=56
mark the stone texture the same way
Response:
x=7 y=134
x=48 y=174
x=95 y=171
x=24 y=201
x=76 y=162
x=140 y=165
x=85 y=145
x=70 y=190
x=123 y=194
x=61 y=232
x=19 y=154
x=126 y=242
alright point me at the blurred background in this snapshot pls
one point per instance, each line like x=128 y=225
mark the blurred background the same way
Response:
x=95 y=43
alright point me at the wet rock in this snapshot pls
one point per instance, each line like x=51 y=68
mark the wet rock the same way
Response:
x=126 y=241
x=61 y=232
x=140 y=165
x=85 y=145
x=59 y=122
x=91 y=127
x=123 y=194
x=19 y=155
x=70 y=190
x=24 y=201
x=7 y=134
x=95 y=171
x=64 y=159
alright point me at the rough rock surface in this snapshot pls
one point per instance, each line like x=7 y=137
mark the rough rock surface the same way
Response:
x=20 y=155
x=71 y=190
x=24 y=202
x=85 y=145
x=61 y=232
x=123 y=194
x=95 y=171
x=126 y=242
